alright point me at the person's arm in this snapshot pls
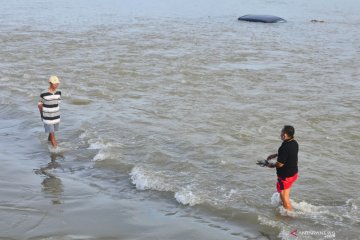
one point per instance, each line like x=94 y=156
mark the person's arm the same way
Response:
x=272 y=165
x=277 y=165
x=40 y=106
x=271 y=156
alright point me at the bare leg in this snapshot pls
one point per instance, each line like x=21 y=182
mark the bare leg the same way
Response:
x=53 y=140
x=285 y=198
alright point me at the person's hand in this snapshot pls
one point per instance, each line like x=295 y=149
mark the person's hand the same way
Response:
x=271 y=156
x=263 y=163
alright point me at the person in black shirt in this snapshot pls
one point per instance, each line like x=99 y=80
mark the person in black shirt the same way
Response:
x=286 y=165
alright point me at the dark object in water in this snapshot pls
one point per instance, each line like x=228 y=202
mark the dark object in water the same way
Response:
x=317 y=21
x=263 y=163
x=261 y=18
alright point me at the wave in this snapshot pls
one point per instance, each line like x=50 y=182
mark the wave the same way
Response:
x=148 y=180
x=106 y=151
x=94 y=142
x=191 y=193
x=100 y=156
x=97 y=145
x=145 y=179
x=187 y=197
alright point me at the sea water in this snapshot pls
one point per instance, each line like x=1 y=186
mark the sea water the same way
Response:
x=171 y=103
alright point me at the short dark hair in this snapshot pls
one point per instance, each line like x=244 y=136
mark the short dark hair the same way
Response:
x=289 y=130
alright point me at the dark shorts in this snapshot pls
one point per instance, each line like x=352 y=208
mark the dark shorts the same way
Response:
x=285 y=183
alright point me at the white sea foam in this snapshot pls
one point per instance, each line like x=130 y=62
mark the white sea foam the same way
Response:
x=351 y=211
x=82 y=135
x=94 y=141
x=230 y=194
x=105 y=150
x=97 y=145
x=187 y=197
x=275 y=199
x=91 y=137
x=351 y=204
x=147 y=179
x=139 y=178
x=101 y=156
x=301 y=208
x=269 y=222
x=85 y=133
x=323 y=214
x=304 y=207
x=223 y=162
x=57 y=150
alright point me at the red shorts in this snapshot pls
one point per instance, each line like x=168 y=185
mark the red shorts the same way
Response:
x=285 y=183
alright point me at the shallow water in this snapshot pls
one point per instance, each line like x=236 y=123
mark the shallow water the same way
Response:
x=167 y=107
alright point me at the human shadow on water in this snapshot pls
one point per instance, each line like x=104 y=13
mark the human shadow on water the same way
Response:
x=52 y=186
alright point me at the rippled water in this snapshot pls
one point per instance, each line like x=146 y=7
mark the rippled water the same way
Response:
x=176 y=102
